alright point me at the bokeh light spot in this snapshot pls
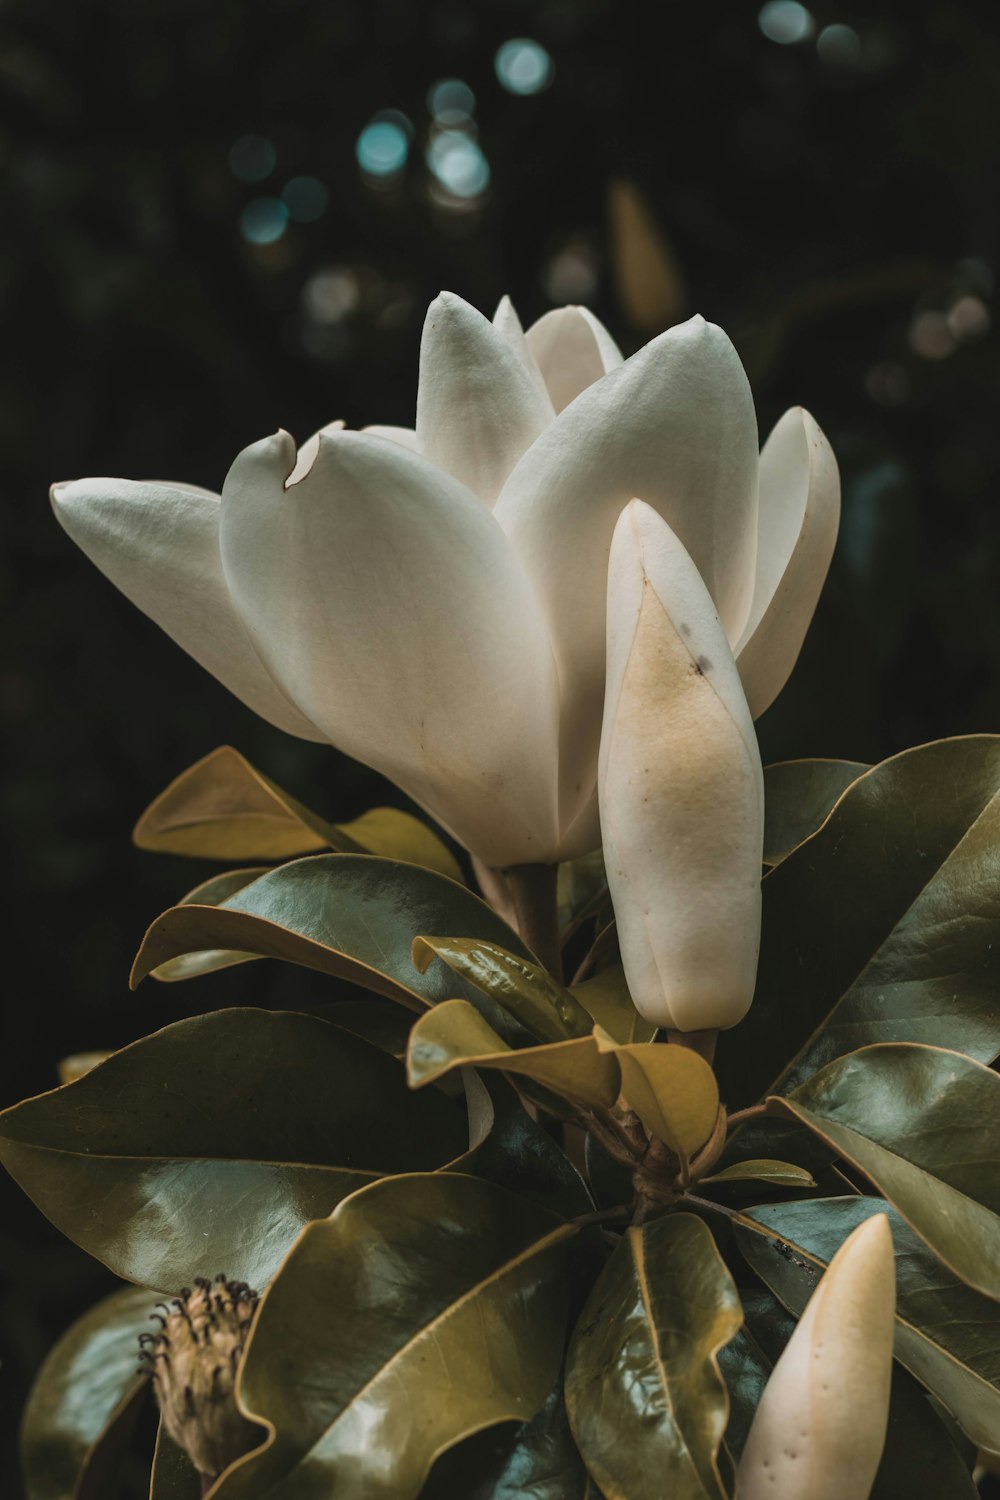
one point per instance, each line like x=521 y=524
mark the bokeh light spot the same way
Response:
x=839 y=45
x=263 y=221
x=252 y=158
x=888 y=383
x=785 y=21
x=930 y=336
x=969 y=318
x=306 y=199
x=451 y=102
x=382 y=148
x=458 y=164
x=523 y=66
x=331 y=294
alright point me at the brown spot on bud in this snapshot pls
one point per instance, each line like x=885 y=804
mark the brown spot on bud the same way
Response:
x=193 y=1360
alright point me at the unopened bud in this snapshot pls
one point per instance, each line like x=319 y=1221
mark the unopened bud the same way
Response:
x=194 y=1359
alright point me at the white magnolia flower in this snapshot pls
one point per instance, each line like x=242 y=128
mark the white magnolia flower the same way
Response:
x=820 y=1428
x=432 y=601
x=681 y=787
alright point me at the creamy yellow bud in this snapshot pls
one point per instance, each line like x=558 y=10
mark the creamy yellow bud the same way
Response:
x=820 y=1427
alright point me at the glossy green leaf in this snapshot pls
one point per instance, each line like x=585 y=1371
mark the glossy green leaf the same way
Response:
x=222 y=808
x=174 y=1476
x=646 y=1401
x=607 y=1001
x=923 y=1125
x=799 y=796
x=207 y=1146
x=424 y=1309
x=775 y=1173
x=521 y=987
x=454 y=1035
x=920 y=1461
x=947 y=1336
x=211 y=892
x=537 y=1460
x=509 y=1147
x=84 y=1400
x=352 y=916
x=671 y=1088
x=882 y=927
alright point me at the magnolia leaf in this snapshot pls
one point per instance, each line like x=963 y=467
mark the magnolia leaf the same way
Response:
x=582 y=891
x=211 y=892
x=920 y=1460
x=510 y=1148
x=78 y=1063
x=799 y=796
x=776 y=1173
x=646 y=1401
x=454 y=1035
x=207 y=1146
x=174 y=1476
x=671 y=1088
x=222 y=808
x=923 y=1125
x=521 y=987
x=538 y=1459
x=352 y=916
x=426 y=1308
x=607 y=1001
x=84 y=1401
x=947 y=1336
x=883 y=927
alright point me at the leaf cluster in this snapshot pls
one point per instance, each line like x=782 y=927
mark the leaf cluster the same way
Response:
x=509 y=1241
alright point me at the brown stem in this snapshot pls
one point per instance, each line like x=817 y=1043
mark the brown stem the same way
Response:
x=709 y=1154
x=609 y=1119
x=717 y=1208
x=602 y=1215
x=755 y=1112
x=207 y=1481
x=702 y=1042
x=532 y=892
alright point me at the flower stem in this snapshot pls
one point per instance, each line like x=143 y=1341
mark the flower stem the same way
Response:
x=702 y=1042
x=742 y=1116
x=532 y=893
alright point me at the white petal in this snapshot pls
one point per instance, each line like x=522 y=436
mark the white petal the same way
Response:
x=681 y=788
x=508 y=326
x=388 y=600
x=306 y=455
x=572 y=349
x=674 y=426
x=797 y=532
x=478 y=409
x=819 y=1430
x=405 y=435
x=159 y=544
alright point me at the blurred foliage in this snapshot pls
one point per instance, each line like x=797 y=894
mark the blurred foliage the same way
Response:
x=832 y=206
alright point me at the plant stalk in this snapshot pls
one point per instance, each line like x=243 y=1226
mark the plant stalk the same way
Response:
x=702 y=1042
x=532 y=893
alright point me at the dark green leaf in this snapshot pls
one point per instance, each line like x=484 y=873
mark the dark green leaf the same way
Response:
x=211 y=892
x=947 y=1335
x=352 y=916
x=524 y=989
x=777 y=1173
x=174 y=1476
x=799 y=796
x=646 y=1401
x=923 y=1125
x=883 y=927
x=424 y=1309
x=84 y=1401
x=207 y=1146
x=536 y=1460
x=510 y=1148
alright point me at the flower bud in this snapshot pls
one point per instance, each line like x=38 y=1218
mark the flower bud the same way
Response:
x=681 y=787
x=194 y=1359
x=819 y=1430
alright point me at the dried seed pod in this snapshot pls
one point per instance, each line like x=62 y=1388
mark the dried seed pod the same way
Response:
x=193 y=1359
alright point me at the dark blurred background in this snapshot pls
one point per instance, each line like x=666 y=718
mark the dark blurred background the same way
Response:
x=223 y=216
